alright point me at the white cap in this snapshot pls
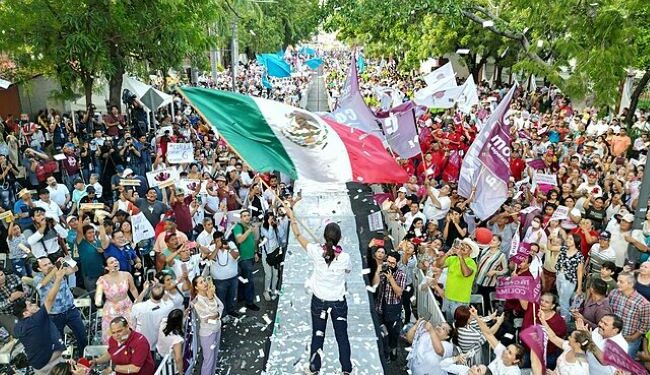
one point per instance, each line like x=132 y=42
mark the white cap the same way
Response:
x=127 y=172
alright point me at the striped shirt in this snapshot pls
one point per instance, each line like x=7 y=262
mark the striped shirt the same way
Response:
x=598 y=256
x=470 y=337
x=491 y=261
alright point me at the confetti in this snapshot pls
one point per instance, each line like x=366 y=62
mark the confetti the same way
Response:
x=365 y=271
x=261 y=351
x=242 y=280
x=266 y=319
x=319 y=333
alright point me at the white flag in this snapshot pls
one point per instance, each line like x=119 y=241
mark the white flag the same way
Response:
x=425 y=96
x=444 y=72
x=469 y=96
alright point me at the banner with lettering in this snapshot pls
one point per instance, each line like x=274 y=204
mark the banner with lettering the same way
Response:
x=522 y=254
x=536 y=338
x=519 y=287
x=614 y=355
x=180 y=153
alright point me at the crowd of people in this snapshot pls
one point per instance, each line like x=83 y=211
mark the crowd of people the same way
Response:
x=591 y=264
x=92 y=209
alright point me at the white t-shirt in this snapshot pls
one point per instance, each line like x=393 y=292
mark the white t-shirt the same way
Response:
x=51 y=209
x=191 y=265
x=595 y=367
x=434 y=213
x=58 y=193
x=147 y=316
x=618 y=243
x=423 y=359
x=224 y=266
x=205 y=238
x=164 y=343
x=328 y=282
x=498 y=367
x=579 y=367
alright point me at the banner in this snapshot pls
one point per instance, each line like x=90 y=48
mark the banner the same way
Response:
x=180 y=153
x=545 y=182
x=375 y=222
x=522 y=253
x=401 y=134
x=142 y=229
x=444 y=72
x=452 y=169
x=536 y=339
x=486 y=166
x=519 y=287
x=613 y=355
x=560 y=213
x=352 y=109
x=434 y=95
x=163 y=177
x=468 y=97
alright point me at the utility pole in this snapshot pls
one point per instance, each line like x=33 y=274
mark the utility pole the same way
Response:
x=214 y=57
x=234 y=52
x=641 y=207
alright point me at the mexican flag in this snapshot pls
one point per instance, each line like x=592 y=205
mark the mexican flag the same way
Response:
x=270 y=135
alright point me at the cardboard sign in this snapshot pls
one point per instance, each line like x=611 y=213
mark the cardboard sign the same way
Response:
x=546 y=179
x=142 y=229
x=522 y=253
x=91 y=206
x=560 y=213
x=163 y=177
x=519 y=287
x=189 y=186
x=180 y=153
x=125 y=182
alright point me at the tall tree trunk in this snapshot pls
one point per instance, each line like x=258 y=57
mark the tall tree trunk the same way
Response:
x=497 y=71
x=634 y=100
x=476 y=70
x=115 y=87
x=88 y=90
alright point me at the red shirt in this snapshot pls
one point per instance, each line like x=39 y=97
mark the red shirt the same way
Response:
x=183 y=216
x=584 y=246
x=557 y=324
x=517 y=166
x=134 y=351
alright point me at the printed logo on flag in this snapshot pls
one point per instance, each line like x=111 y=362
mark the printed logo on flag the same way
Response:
x=305 y=131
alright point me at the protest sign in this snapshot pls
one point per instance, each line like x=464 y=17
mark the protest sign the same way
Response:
x=547 y=179
x=522 y=253
x=560 y=213
x=8 y=216
x=162 y=177
x=519 y=287
x=375 y=222
x=180 y=153
x=142 y=229
x=614 y=355
x=188 y=185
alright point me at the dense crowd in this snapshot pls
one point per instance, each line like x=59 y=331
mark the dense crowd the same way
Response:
x=591 y=264
x=92 y=209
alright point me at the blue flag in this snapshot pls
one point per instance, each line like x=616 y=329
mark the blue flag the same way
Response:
x=307 y=51
x=265 y=82
x=275 y=67
x=314 y=63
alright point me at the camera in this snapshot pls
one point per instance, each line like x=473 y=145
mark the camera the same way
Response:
x=128 y=97
x=384 y=267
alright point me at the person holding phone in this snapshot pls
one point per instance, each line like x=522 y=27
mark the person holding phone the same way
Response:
x=209 y=309
x=331 y=266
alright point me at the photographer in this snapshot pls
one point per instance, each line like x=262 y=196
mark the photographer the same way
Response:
x=388 y=303
x=63 y=311
x=43 y=235
x=130 y=153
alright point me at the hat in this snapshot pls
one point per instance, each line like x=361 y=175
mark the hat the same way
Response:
x=23 y=192
x=180 y=192
x=475 y=249
x=70 y=218
x=402 y=190
x=90 y=189
x=119 y=169
x=628 y=217
x=221 y=178
x=230 y=168
x=127 y=172
x=605 y=235
x=43 y=191
x=121 y=212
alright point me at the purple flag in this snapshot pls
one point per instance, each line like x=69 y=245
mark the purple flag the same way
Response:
x=527 y=288
x=523 y=252
x=614 y=355
x=486 y=166
x=536 y=339
x=352 y=109
x=401 y=135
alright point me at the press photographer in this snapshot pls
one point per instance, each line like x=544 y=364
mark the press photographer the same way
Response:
x=388 y=301
x=44 y=234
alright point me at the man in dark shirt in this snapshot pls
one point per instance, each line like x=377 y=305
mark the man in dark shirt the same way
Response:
x=150 y=206
x=36 y=331
x=596 y=212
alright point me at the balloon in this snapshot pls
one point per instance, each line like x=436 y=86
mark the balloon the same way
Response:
x=483 y=236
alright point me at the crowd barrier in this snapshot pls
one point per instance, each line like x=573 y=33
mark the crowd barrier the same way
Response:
x=167 y=366
x=427 y=305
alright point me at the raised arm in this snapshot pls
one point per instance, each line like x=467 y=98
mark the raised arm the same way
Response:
x=294 y=228
x=489 y=336
x=51 y=295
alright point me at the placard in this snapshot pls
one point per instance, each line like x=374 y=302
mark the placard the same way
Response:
x=126 y=182
x=188 y=186
x=560 y=213
x=180 y=153
x=546 y=179
x=142 y=229
x=614 y=355
x=8 y=216
x=91 y=206
x=519 y=287
x=162 y=177
x=375 y=221
x=522 y=253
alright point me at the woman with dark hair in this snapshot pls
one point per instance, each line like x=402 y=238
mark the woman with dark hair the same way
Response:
x=573 y=360
x=331 y=265
x=569 y=266
x=115 y=285
x=492 y=263
x=416 y=230
x=170 y=338
x=209 y=309
x=271 y=239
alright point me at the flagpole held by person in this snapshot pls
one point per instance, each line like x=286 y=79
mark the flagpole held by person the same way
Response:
x=331 y=266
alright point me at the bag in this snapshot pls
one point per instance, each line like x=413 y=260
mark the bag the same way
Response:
x=275 y=257
x=45 y=170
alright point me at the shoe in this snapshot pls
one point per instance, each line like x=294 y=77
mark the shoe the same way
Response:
x=393 y=355
x=267 y=296
x=234 y=314
x=274 y=297
x=253 y=307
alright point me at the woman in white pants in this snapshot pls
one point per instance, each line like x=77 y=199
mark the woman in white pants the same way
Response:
x=272 y=237
x=209 y=309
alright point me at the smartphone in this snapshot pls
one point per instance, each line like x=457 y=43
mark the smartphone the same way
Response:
x=379 y=242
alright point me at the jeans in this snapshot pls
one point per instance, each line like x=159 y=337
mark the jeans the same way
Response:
x=210 y=349
x=227 y=293
x=406 y=302
x=449 y=308
x=339 y=312
x=270 y=275
x=21 y=267
x=634 y=346
x=391 y=318
x=565 y=290
x=72 y=319
x=247 y=290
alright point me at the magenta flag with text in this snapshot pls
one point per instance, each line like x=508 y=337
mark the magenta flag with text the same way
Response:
x=352 y=109
x=486 y=166
x=536 y=338
x=614 y=355
x=527 y=288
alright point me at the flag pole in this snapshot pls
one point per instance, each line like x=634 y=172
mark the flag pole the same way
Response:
x=284 y=204
x=417 y=131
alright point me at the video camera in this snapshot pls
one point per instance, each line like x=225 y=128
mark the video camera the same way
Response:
x=128 y=97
